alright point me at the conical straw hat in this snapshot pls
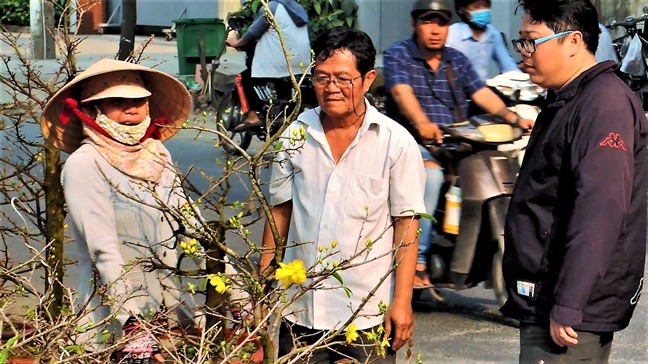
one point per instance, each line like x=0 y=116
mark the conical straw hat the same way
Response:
x=169 y=99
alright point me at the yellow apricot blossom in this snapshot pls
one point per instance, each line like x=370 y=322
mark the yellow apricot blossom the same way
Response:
x=293 y=272
x=189 y=248
x=218 y=282
x=351 y=333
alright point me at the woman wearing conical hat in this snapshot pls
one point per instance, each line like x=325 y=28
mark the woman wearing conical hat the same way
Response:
x=113 y=118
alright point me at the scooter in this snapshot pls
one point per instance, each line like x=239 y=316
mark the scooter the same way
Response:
x=234 y=103
x=473 y=205
x=522 y=97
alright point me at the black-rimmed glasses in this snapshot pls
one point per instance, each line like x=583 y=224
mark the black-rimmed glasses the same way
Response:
x=340 y=82
x=529 y=45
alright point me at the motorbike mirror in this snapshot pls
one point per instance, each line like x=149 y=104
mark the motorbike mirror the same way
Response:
x=645 y=9
x=234 y=24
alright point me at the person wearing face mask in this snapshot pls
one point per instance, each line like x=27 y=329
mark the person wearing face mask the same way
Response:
x=112 y=119
x=478 y=39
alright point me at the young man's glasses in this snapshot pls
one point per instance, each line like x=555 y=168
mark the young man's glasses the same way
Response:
x=529 y=45
x=340 y=82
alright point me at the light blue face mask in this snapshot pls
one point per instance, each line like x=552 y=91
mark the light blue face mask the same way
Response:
x=480 y=18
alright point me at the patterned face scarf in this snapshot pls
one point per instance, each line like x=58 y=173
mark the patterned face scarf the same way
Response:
x=146 y=160
x=126 y=134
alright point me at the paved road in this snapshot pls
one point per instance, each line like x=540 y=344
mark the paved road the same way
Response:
x=466 y=329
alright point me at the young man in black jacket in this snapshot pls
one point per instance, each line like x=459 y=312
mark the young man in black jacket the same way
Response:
x=576 y=226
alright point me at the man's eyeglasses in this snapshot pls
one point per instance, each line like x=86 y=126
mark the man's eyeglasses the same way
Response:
x=529 y=45
x=340 y=82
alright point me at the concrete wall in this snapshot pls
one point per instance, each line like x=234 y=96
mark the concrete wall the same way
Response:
x=610 y=10
x=162 y=12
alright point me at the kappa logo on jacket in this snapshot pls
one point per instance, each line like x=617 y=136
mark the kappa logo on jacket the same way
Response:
x=614 y=140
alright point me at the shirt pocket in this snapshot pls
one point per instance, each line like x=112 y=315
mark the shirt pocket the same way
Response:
x=367 y=197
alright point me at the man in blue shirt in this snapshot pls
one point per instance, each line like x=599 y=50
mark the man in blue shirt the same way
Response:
x=479 y=40
x=419 y=95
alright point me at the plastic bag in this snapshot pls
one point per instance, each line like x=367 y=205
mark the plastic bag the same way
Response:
x=633 y=63
x=624 y=47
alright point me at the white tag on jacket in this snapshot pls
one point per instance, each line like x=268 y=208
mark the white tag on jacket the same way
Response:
x=525 y=288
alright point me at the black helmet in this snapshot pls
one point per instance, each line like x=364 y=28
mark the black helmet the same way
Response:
x=423 y=8
x=464 y=3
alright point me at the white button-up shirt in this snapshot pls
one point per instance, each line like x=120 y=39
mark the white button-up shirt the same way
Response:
x=380 y=175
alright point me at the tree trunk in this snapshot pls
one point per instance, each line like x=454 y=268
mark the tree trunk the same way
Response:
x=54 y=228
x=129 y=23
x=214 y=301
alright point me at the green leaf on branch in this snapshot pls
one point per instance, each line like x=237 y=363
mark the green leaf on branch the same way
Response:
x=337 y=276
x=73 y=348
x=4 y=354
x=105 y=335
x=426 y=216
x=347 y=291
x=278 y=146
x=421 y=214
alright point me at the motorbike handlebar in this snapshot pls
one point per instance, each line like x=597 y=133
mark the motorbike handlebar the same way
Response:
x=447 y=143
x=628 y=23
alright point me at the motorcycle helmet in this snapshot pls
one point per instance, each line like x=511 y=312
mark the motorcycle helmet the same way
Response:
x=423 y=8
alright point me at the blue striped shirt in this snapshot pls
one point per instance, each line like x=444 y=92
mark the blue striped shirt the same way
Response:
x=404 y=65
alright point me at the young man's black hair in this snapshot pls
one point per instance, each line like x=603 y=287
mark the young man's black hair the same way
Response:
x=563 y=15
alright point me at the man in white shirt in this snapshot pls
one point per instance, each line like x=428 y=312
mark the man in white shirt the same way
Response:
x=356 y=177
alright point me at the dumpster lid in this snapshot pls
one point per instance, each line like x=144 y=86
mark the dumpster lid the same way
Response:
x=198 y=21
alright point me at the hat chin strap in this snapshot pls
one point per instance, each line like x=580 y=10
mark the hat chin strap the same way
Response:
x=71 y=105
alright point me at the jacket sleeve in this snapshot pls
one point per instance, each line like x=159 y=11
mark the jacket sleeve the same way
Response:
x=260 y=25
x=602 y=170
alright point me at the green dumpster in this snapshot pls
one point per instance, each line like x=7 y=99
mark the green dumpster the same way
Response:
x=187 y=37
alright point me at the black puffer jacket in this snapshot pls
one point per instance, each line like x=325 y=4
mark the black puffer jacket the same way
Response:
x=576 y=225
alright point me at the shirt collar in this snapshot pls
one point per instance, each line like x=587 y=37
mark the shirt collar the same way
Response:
x=314 y=124
x=570 y=90
x=464 y=32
